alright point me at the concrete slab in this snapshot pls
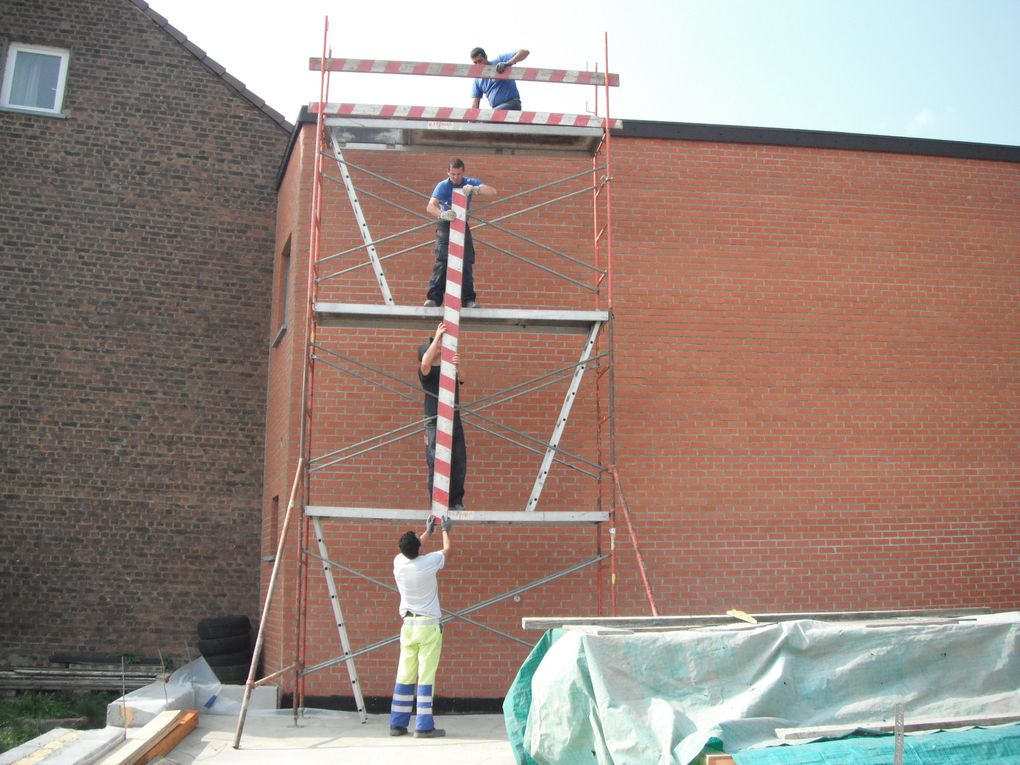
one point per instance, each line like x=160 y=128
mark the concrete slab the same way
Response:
x=63 y=746
x=326 y=737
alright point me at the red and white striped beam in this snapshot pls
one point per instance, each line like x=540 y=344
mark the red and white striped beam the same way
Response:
x=454 y=114
x=377 y=66
x=447 y=369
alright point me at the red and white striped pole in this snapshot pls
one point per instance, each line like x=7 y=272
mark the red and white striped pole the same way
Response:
x=447 y=369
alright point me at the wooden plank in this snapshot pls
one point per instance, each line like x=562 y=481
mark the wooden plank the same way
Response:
x=719 y=759
x=837 y=731
x=707 y=620
x=553 y=123
x=60 y=678
x=440 y=69
x=148 y=736
x=185 y=725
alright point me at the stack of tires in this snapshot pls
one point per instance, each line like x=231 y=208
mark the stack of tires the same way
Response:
x=225 y=642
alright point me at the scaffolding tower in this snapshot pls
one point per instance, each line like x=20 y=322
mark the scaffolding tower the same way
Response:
x=341 y=126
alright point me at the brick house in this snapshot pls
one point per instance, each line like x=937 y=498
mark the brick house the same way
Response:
x=817 y=355
x=137 y=210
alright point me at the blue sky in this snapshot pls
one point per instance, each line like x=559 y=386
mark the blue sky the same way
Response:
x=944 y=69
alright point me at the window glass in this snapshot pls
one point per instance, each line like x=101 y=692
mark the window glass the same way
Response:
x=34 y=78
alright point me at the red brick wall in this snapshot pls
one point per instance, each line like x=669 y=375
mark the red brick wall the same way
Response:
x=817 y=376
x=816 y=365
x=137 y=257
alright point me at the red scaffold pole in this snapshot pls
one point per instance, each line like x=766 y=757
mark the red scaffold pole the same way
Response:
x=633 y=541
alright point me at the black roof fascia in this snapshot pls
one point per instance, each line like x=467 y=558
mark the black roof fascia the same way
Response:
x=817 y=139
x=305 y=117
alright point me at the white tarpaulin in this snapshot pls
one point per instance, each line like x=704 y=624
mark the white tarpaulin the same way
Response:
x=636 y=698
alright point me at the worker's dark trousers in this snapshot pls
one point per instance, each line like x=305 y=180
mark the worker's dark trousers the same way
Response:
x=458 y=461
x=437 y=284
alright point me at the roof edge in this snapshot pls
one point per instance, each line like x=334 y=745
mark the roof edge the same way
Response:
x=213 y=66
x=817 y=139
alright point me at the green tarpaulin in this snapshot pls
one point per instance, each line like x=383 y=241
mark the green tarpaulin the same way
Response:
x=615 y=697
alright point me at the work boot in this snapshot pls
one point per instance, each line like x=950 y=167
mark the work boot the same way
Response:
x=430 y=303
x=472 y=304
x=434 y=733
x=398 y=731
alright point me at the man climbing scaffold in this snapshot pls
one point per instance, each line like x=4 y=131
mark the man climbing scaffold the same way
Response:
x=428 y=376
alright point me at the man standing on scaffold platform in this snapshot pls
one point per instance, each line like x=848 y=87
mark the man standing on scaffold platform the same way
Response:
x=440 y=207
x=501 y=94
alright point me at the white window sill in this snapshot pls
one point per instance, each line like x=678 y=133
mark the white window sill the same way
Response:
x=33 y=112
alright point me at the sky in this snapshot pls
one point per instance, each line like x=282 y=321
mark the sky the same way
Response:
x=943 y=69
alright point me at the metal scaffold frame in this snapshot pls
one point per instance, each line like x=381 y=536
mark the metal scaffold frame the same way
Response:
x=595 y=326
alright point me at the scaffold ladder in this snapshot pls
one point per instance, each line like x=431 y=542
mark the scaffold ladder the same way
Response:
x=359 y=216
x=338 y=617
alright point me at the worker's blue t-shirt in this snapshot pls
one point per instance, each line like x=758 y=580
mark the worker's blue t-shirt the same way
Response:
x=444 y=191
x=496 y=91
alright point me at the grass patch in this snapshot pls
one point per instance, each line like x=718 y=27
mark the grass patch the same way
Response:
x=24 y=716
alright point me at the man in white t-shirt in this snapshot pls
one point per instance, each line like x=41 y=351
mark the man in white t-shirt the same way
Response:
x=421 y=637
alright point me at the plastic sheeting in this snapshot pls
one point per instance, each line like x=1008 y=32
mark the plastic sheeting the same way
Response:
x=603 y=696
x=987 y=746
x=193 y=686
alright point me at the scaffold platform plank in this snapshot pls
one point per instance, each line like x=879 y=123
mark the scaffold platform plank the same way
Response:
x=709 y=620
x=561 y=517
x=493 y=319
x=438 y=69
x=452 y=114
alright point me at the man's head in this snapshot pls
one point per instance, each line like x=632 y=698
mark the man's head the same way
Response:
x=478 y=56
x=456 y=172
x=423 y=348
x=410 y=545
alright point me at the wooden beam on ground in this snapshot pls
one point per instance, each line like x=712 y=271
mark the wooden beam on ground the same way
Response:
x=708 y=620
x=75 y=678
x=132 y=750
x=187 y=723
x=838 y=731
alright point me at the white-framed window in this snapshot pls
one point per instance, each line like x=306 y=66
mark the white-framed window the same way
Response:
x=34 y=78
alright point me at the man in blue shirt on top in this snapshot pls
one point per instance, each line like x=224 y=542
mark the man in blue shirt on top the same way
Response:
x=439 y=207
x=501 y=94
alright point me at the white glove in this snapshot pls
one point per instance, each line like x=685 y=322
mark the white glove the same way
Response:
x=448 y=215
x=467 y=189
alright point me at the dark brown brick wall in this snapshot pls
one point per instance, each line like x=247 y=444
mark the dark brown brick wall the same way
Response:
x=137 y=241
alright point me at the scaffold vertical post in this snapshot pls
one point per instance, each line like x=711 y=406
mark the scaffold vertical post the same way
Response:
x=611 y=414
x=308 y=378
